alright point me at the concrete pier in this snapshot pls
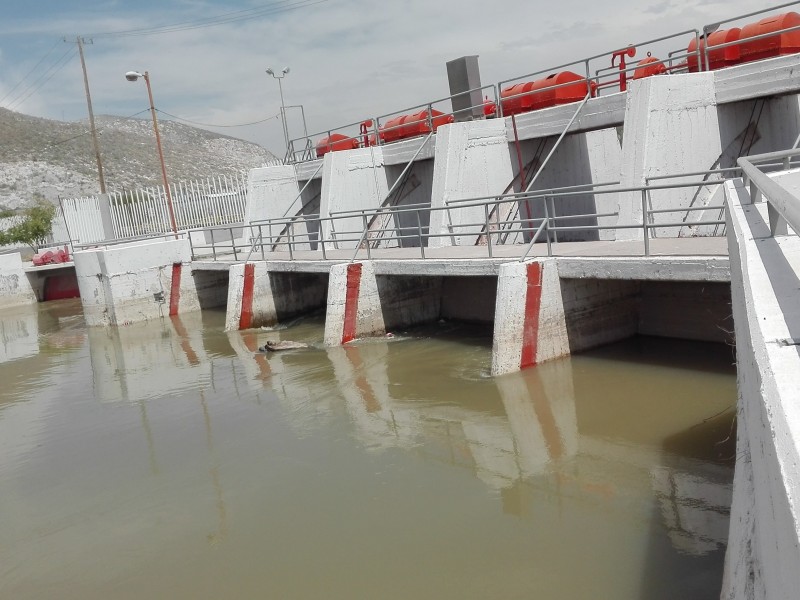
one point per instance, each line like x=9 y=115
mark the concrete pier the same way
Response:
x=128 y=283
x=15 y=288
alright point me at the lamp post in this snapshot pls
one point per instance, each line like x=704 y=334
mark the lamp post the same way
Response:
x=283 y=74
x=133 y=76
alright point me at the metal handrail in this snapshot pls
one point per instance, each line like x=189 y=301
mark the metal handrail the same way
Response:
x=535 y=226
x=786 y=204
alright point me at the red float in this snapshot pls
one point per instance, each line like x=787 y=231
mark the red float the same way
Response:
x=535 y=95
x=779 y=44
x=719 y=58
x=647 y=67
x=334 y=143
x=409 y=126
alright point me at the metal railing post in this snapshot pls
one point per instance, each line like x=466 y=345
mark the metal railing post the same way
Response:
x=233 y=243
x=213 y=246
x=419 y=234
x=487 y=230
x=645 y=226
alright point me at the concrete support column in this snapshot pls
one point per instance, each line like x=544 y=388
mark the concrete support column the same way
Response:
x=125 y=284
x=471 y=160
x=272 y=193
x=351 y=180
x=663 y=116
x=354 y=305
x=250 y=302
x=530 y=325
x=15 y=288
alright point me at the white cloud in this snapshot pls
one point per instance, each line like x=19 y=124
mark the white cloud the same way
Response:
x=350 y=59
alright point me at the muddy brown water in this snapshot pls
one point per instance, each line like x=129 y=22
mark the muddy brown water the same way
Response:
x=168 y=460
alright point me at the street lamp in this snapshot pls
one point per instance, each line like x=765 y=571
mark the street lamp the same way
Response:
x=283 y=74
x=134 y=76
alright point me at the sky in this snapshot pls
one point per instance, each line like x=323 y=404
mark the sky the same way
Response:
x=350 y=59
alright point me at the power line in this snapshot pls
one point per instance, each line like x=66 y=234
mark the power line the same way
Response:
x=225 y=18
x=163 y=112
x=43 y=78
x=28 y=74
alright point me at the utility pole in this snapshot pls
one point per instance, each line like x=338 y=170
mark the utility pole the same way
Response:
x=80 y=42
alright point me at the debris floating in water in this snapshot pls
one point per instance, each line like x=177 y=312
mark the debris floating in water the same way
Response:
x=271 y=346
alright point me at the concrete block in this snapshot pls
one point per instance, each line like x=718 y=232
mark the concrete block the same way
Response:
x=472 y=160
x=354 y=304
x=663 y=118
x=530 y=325
x=15 y=288
x=128 y=283
x=351 y=180
x=272 y=193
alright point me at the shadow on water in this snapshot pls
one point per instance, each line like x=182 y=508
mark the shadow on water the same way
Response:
x=682 y=354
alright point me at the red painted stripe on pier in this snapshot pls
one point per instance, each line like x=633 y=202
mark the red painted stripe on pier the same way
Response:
x=533 y=301
x=246 y=316
x=175 y=289
x=351 y=302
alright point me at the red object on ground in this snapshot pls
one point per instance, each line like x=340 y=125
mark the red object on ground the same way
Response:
x=774 y=45
x=334 y=143
x=51 y=258
x=535 y=95
x=647 y=67
x=719 y=58
x=409 y=126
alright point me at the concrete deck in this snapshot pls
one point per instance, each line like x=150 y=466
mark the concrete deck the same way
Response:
x=681 y=259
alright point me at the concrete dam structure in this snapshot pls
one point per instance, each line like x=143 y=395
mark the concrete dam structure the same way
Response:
x=629 y=208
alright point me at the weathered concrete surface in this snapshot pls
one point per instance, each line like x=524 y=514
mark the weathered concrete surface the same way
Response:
x=580 y=159
x=598 y=113
x=272 y=193
x=472 y=160
x=764 y=542
x=270 y=296
x=15 y=288
x=529 y=325
x=351 y=180
x=354 y=304
x=671 y=127
x=771 y=77
x=128 y=283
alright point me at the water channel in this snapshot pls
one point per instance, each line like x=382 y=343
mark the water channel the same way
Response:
x=170 y=460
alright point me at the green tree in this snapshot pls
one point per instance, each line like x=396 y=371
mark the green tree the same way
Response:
x=35 y=227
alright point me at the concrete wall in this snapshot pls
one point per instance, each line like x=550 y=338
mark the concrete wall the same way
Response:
x=416 y=189
x=599 y=311
x=124 y=284
x=472 y=160
x=581 y=158
x=686 y=310
x=469 y=299
x=764 y=540
x=671 y=126
x=351 y=180
x=272 y=193
x=15 y=288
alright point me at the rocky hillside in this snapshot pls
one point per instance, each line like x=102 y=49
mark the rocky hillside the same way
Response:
x=54 y=158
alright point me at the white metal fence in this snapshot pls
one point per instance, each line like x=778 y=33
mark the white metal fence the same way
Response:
x=204 y=203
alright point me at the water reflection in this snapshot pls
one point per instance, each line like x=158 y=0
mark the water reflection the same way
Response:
x=199 y=465
x=149 y=360
x=520 y=432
